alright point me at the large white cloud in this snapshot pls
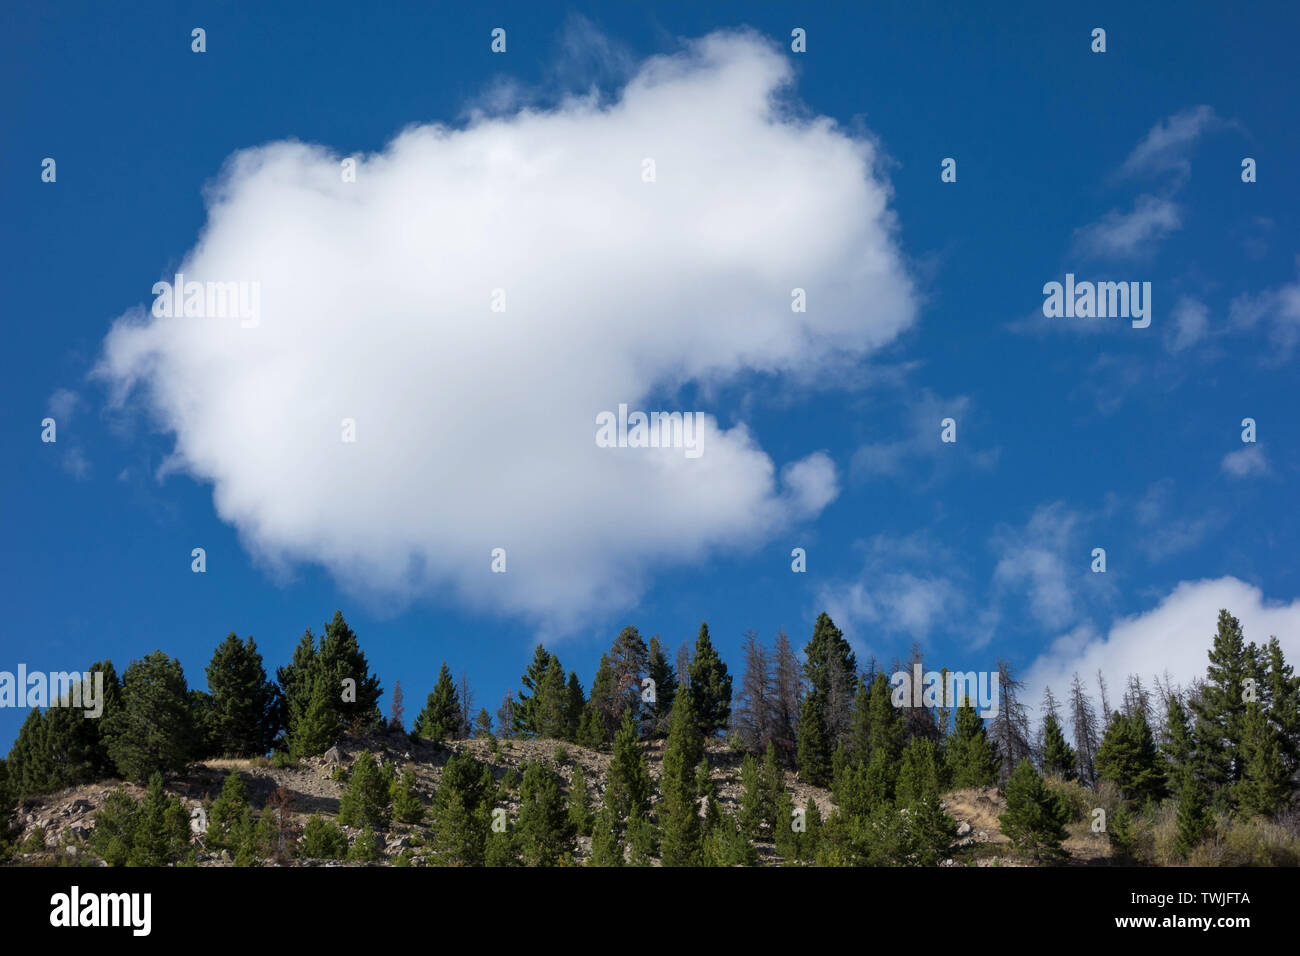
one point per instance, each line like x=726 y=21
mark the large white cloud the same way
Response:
x=1173 y=637
x=476 y=429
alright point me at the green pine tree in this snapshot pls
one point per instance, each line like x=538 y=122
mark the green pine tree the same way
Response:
x=241 y=717
x=1128 y=757
x=973 y=760
x=1179 y=747
x=314 y=723
x=407 y=807
x=341 y=659
x=1059 y=758
x=460 y=817
x=1265 y=785
x=813 y=747
x=710 y=686
x=1193 y=821
x=322 y=840
x=1035 y=818
x=628 y=783
x=1220 y=709
x=605 y=848
x=545 y=836
x=162 y=833
x=367 y=801
x=441 y=715
x=153 y=730
x=580 y=815
x=679 y=809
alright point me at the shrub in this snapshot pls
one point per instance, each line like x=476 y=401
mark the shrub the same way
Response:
x=322 y=840
x=365 y=848
x=368 y=797
x=407 y=807
x=561 y=754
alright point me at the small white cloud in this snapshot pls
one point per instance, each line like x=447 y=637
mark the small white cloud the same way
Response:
x=1279 y=311
x=76 y=464
x=1247 y=462
x=63 y=404
x=1190 y=324
x=1119 y=235
x=1166 y=145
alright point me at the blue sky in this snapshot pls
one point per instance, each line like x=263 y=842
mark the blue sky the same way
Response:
x=1072 y=434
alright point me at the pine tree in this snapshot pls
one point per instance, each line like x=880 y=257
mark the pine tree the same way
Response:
x=772 y=786
x=243 y=704
x=605 y=848
x=483 y=725
x=116 y=824
x=604 y=701
x=860 y=734
x=628 y=662
x=1059 y=758
x=920 y=776
x=1284 y=704
x=1128 y=757
x=679 y=809
x=710 y=686
x=827 y=642
x=575 y=704
x=580 y=815
x=407 y=807
x=549 y=715
x=1179 y=747
x=750 y=814
x=226 y=815
x=31 y=768
x=524 y=716
x=322 y=840
x=152 y=731
x=1220 y=710
x=1120 y=834
x=973 y=761
x=664 y=676
x=296 y=682
x=315 y=728
x=459 y=816
x=441 y=715
x=340 y=658
x=627 y=788
x=1193 y=822
x=545 y=836
x=1265 y=785
x=162 y=832
x=814 y=753
x=365 y=848
x=1035 y=819
x=368 y=797
x=888 y=726
x=591 y=727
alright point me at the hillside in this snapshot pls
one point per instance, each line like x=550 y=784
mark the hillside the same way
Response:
x=55 y=828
